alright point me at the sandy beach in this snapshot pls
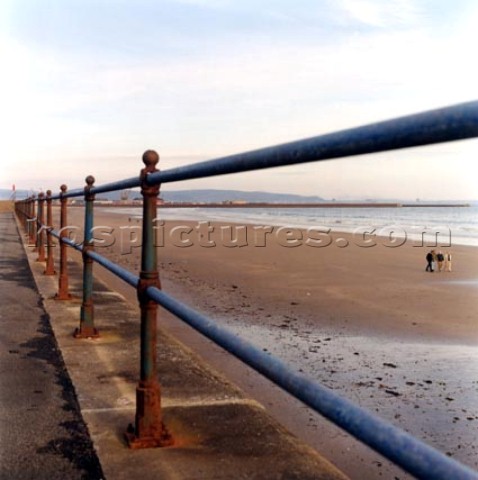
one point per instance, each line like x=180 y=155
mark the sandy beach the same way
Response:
x=368 y=322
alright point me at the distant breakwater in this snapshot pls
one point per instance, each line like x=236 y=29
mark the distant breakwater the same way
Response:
x=290 y=205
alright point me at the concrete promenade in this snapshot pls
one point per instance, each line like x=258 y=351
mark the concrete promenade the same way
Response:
x=219 y=433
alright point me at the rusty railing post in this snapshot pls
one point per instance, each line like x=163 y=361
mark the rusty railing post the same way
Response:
x=87 y=325
x=28 y=214
x=149 y=430
x=50 y=263
x=23 y=214
x=18 y=210
x=33 y=224
x=40 y=228
x=63 y=293
x=29 y=218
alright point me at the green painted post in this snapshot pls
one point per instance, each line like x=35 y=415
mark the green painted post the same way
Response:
x=149 y=430
x=87 y=325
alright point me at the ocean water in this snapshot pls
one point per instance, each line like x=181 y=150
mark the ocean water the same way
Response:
x=446 y=225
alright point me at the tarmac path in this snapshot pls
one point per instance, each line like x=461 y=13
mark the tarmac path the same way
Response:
x=42 y=433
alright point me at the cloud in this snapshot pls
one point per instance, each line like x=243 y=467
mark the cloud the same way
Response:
x=377 y=13
x=250 y=90
x=214 y=4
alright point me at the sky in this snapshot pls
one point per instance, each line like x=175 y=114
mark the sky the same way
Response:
x=88 y=85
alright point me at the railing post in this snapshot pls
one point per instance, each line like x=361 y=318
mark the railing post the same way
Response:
x=21 y=214
x=18 y=210
x=149 y=430
x=87 y=325
x=50 y=264
x=40 y=230
x=63 y=293
x=33 y=225
x=24 y=214
x=26 y=208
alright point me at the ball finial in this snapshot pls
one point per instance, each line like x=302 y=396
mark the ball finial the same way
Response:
x=150 y=158
x=63 y=188
x=90 y=180
x=48 y=193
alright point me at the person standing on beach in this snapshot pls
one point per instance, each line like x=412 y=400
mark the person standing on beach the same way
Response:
x=448 y=261
x=429 y=258
x=440 y=259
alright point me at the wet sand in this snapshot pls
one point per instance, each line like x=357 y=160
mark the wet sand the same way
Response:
x=368 y=322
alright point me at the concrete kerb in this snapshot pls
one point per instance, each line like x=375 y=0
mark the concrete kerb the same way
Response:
x=218 y=432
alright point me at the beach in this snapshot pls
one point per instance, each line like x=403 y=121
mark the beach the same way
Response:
x=366 y=321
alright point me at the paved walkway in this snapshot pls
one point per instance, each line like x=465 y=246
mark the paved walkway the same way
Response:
x=219 y=433
x=42 y=434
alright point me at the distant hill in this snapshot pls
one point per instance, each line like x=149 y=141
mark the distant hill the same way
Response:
x=216 y=196
x=6 y=194
x=197 y=196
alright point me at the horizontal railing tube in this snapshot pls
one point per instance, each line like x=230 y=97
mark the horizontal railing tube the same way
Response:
x=393 y=443
x=67 y=241
x=120 y=272
x=444 y=125
x=403 y=449
x=447 y=124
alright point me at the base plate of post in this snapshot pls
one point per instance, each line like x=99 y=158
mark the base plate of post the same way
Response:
x=86 y=332
x=66 y=296
x=164 y=439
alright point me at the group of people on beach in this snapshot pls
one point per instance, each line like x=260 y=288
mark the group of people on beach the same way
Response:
x=442 y=261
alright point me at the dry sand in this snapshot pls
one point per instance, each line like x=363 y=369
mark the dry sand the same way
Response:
x=368 y=322
x=6 y=206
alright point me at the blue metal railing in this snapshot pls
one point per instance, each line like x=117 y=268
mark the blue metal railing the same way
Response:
x=457 y=122
x=443 y=125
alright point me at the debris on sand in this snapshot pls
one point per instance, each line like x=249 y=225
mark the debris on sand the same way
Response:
x=391 y=365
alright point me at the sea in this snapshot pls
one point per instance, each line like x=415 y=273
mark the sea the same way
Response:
x=434 y=226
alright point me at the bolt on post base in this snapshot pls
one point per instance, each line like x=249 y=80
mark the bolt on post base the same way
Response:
x=150 y=431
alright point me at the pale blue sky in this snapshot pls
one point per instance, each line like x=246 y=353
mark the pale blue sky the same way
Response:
x=88 y=85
